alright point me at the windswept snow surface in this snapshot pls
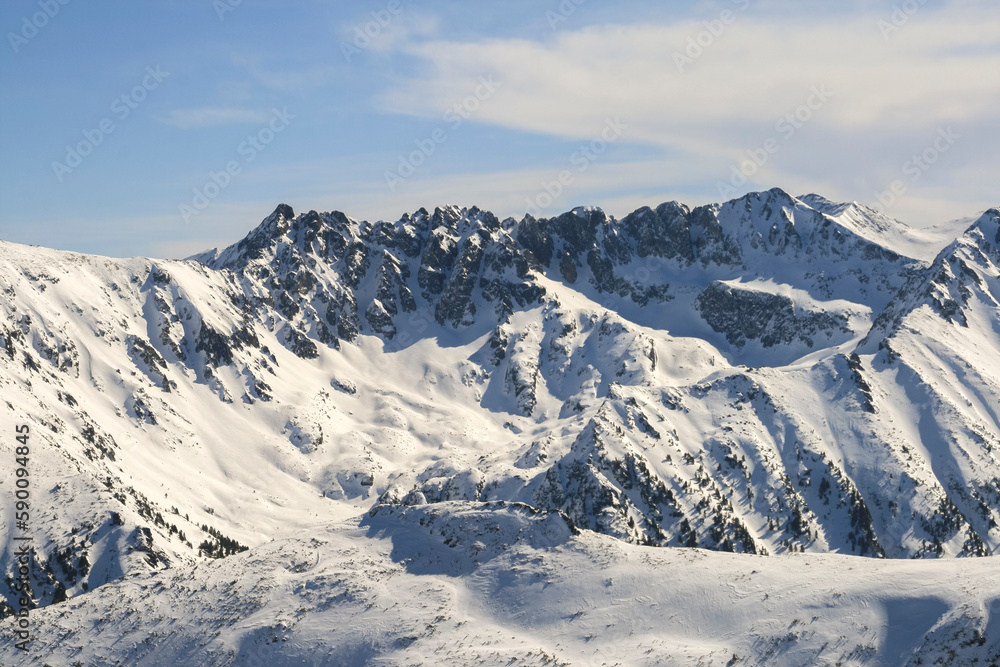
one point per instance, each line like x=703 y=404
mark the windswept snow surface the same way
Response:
x=757 y=432
x=492 y=583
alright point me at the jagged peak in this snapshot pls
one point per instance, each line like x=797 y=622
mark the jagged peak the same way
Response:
x=780 y=194
x=984 y=232
x=281 y=226
x=586 y=211
x=446 y=216
x=459 y=220
x=988 y=224
x=672 y=207
x=756 y=214
x=417 y=217
x=277 y=223
x=283 y=211
x=253 y=245
x=822 y=204
x=947 y=283
x=853 y=211
x=761 y=195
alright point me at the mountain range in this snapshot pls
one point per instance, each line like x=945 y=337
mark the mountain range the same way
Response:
x=350 y=442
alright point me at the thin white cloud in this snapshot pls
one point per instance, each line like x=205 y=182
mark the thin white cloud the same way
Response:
x=187 y=119
x=387 y=32
x=754 y=71
x=889 y=93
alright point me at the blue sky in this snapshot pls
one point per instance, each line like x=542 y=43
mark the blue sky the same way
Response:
x=164 y=128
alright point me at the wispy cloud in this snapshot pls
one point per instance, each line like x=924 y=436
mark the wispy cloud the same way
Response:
x=941 y=67
x=187 y=119
x=931 y=73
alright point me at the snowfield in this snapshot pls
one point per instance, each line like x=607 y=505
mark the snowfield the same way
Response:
x=471 y=583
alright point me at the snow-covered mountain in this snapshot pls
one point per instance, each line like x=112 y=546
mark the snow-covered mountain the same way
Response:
x=469 y=405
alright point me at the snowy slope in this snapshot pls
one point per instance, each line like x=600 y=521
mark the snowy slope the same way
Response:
x=922 y=244
x=458 y=583
x=768 y=375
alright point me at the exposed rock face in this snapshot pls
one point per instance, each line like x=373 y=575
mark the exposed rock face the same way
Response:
x=744 y=315
x=335 y=278
x=665 y=232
